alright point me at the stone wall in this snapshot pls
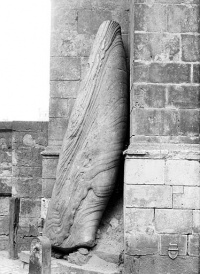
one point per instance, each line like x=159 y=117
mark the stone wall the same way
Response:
x=162 y=171
x=21 y=144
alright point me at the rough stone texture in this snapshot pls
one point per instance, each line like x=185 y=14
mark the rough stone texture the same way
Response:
x=173 y=221
x=104 y=110
x=148 y=196
x=188 y=200
x=152 y=170
x=20 y=175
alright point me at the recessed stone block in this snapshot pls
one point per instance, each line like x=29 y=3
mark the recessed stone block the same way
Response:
x=167 y=239
x=196 y=221
x=4 y=206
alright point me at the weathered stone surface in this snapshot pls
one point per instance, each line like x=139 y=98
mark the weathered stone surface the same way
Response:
x=47 y=187
x=183 y=19
x=173 y=221
x=6 y=185
x=178 y=189
x=140 y=236
x=49 y=166
x=131 y=265
x=184 y=97
x=28 y=226
x=148 y=196
x=27 y=187
x=64 y=89
x=4 y=206
x=82 y=189
x=30 y=208
x=3 y=242
x=196 y=74
x=4 y=225
x=190 y=48
x=144 y=171
x=161 y=73
x=63 y=20
x=154 y=122
x=40 y=256
x=189 y=122
x=14 y=210
x=150 y=18
x=57 y=128
x=182 y=172
x=188 y=200
x=193 y=245
x=156 y=47
x=164 y=265
x=167 y=239
x=65 y=68
x=144 y=96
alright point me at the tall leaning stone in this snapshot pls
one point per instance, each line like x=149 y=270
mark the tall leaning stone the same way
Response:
x=92 y=146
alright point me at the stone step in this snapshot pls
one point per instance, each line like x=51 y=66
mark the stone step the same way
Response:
x=95 y=265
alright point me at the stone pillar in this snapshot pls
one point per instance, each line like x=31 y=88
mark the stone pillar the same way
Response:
x=162 y=172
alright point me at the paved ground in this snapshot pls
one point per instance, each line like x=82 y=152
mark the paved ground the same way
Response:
x=8 y=266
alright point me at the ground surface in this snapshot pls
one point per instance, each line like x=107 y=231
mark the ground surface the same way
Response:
x=8 y=266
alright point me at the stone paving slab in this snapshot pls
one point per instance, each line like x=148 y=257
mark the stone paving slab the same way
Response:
x=8 y=266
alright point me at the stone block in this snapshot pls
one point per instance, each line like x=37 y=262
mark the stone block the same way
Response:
x=90 y=20
x=64 y=89
x=150 y=18
x=144 y=96
x=4 y=206
x=156 y=47
x=30 y=126
x=182 y=172
x=63 y=20
x=193 y=245
x=148 y=196
x=47 y=187
x=59 y=108
x=49 y=166
x=4 y=243
x=131 y=264
x=183 y=18
x=27 y=156
x=6 y=185
x=144 y=171
x=154 y=122
x=190 y=48
x=30 y=208
x=64 y=68
x=165 y=265
x=189 y=122
x=24 y=243
x=71 y=44
x=167 y=239
x=184 y=96
x=189 y=199
x=27 y=187
x=196 y=74
x=161 y=73
x=4 y=225
x=84 y=67
x=28 y=172
x=141 y=244
x=196 y=221
x=139 y=220
x=57 y=128
x=173 y=221
x=28 y=226
x=104 y=4
x=186 y=2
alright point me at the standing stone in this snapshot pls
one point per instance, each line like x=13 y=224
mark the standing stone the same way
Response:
x=40 y=256
x=92 y=146
x=13 y=226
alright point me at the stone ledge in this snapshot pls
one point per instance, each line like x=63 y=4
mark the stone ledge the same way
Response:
x=51 y=151
x=163 y=151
